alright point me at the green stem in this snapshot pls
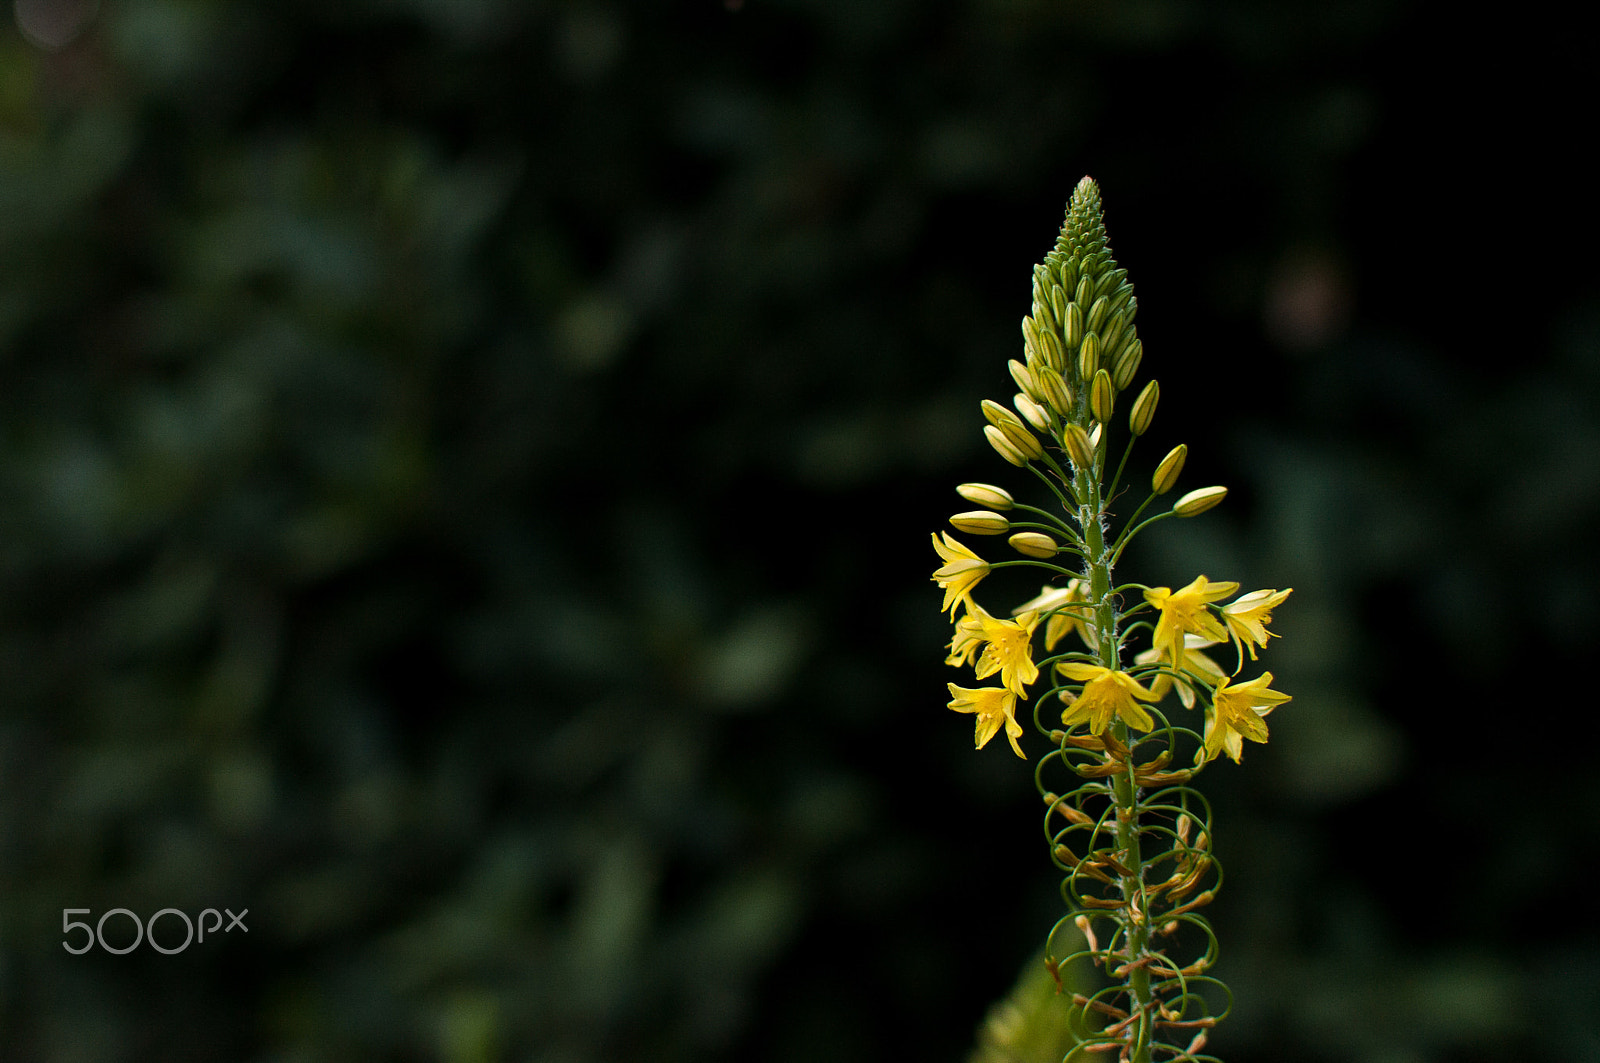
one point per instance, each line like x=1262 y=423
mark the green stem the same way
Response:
x=1098 y=560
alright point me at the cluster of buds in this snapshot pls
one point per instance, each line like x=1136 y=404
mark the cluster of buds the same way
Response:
x=1081 y=355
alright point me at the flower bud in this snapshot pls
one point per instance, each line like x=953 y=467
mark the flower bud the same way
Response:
x=1094 y=435
x=1144 y=408
x=1101 y=396
x=1056 y=394
x=980 y=522
x=1034 y=544
x=1109 y=281
x=997 y=414
x=986 y=495
x=1199 y=500
x=1044 y=318
x=1024 y=379
x=1167 y=472
x=1088 y=356
x=1003 y=446
x=1050 y=350
x=1111 y=336
x=1096 y=314
x=1031 y=412
x=1058 y=302
x=1030 y=335
x=1069 y=273
x=1084 y=294
x=1120 y=297
x=1072 y=327
x=1079 y=449
x=1025 y=441
x=1127 y=363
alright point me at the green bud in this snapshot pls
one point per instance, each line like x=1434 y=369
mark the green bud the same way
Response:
x=1003 y=446
x=1072 y=327
x=1110 y=280
x=1167 y=472
x=1085 y=291
x=1044 y=318
x=1030 y=335
x=1144 y=408
x=1079 y=449
x=1031 y=412
x=1050 y=350
x=986 y=495
x=1069 y=273
x=1096 y=314
x=1034 y=544
x=1024 y=380
x=1111 y=336
x=1121 y=296
x=1058 y=302
x=1088 y=356
x=1057 y=395
x=980 y=522
x=1199 y=500
x=1101 y=396
x=1127 y=364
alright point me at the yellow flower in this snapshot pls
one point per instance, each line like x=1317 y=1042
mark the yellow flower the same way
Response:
x=968 y=639
x=1009 y=650
x=1195 y=664
x=1184 y=611
x=1236 y=712
x=994 y=706
x=1247 y=617
x=1069 y=615
x=961 y=571
x=1105 y=693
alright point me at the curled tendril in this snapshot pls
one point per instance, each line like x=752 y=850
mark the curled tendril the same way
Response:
x=1176 y=876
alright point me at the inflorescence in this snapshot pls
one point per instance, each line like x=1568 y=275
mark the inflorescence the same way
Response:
x=1131 y=834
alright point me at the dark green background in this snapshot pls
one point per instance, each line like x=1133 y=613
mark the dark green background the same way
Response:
x=466 y=470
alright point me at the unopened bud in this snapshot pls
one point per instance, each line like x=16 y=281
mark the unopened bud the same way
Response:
x=980 y=522
x=1024 y=379
x=1109 y=280
x=1088 y=356
x=1034 y=544
x=1144 y=409
x=1167 y=472
x=1069 y=273
x=1111 y=337
x=1058 y=302
x=997 y=414
x=1003 y=446
x=1096 y=314
x=1084 y=294
x=1031 y=412
x=1127 y=363
x=1044 y=317
x=1101 y=396
x=1072 y=327
x=1006 y=422
x=1050 y=351
x=1079 y=449
x=1056 y=394
x=1199 y=500
x=1120 y=296
x=986 y=495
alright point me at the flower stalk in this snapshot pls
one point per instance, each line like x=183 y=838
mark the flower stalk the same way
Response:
x=1131 y=835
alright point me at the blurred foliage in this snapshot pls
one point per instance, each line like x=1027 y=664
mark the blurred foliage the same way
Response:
x=466 y=466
